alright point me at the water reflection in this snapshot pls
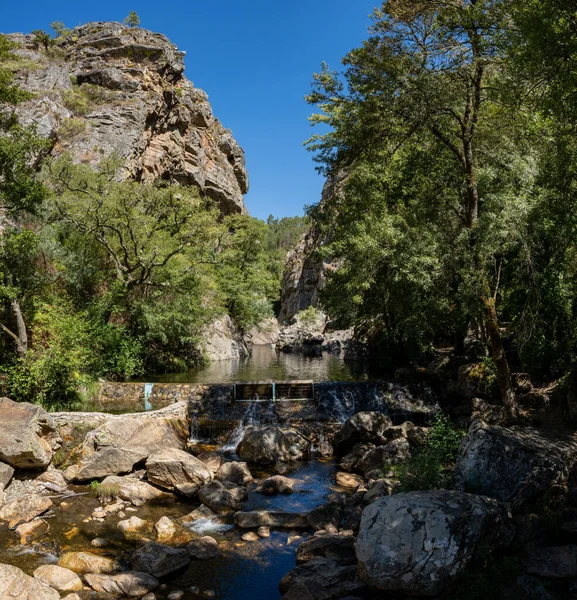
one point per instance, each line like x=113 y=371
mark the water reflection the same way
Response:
x=266 y=363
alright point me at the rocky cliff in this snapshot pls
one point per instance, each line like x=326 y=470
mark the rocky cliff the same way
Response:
x=109 y=88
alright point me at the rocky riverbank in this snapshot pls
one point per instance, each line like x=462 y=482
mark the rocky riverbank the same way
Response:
x=103 y=506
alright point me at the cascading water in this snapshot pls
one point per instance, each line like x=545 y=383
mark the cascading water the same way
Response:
x=251 y=417
x=147 y=394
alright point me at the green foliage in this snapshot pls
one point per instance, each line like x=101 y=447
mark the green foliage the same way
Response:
x=132 y=19
x=42 y=39
x=308 y=316
x=430 y=467
x=60 y=29
x=105 y=491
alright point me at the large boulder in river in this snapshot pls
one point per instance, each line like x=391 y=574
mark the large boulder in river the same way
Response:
x=23 y=509
x=28 y=439
x=132 y=584
x=235 y=472
x=135 y=491
x=159 y=560
x=123 y=441
x=267 y=445
x=15 y=584
x=222 y=496
x=418 y=543
x=177 y=470
x=367 y=426
x=512 y=465
x=59 y=578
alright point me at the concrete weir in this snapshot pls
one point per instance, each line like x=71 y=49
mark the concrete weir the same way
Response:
x=216 y=409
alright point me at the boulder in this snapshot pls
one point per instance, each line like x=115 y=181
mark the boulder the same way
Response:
x=203 y=548
x=28 y=439
x=382 y=458
x=367 y=426
x=222 y=496
x=134 y=527
x=211 y=460
x=16 y=585
x=177 y=470
x=86 y=562
x=172 y=533
x=277 y=484
x=58 y=578
x=418 y=543
x=202 y=512
x=32 y=530
x=123 y=584
x=326 y=516
x=554 y=563
x=159 y=560
x=276 y=519
x=24 y=509
x=511 y=464
x=325 y=579
x=335 y=547
x=123 y=441
x=267 y=445
x=137 y=492
x=234 y=472
x=349 y=480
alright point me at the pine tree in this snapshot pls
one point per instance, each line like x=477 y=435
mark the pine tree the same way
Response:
x=132 y=19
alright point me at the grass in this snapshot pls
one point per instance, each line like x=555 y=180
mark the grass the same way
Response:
x=105 y=491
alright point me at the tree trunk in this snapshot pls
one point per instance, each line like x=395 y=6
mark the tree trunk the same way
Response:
x=21 y=338
x=500 y=358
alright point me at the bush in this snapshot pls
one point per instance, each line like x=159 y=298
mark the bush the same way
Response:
x=72 y=128
x=431 y=467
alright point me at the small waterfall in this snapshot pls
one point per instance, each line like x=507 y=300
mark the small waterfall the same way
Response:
x=251 y=417
x=147 y=394
x=343 y=405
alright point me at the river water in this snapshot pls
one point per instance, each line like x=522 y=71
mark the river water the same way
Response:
x=265 y=364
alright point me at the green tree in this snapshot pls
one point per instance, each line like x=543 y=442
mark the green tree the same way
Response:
x=132 y=19
x=59 y=29
x=429 y=77
x=42 y=39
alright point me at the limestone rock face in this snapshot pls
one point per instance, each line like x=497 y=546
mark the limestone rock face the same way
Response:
x=122 y=441
x=419 y=542
x=512 y=465
x=223 y=340
x=177 y=470
x=27 y=436
x=14 y=583
x=269 y=445
x=110 y=88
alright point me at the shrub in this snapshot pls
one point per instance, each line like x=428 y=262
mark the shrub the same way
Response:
x=105 y=491
x=72 y=128
x=431 y=467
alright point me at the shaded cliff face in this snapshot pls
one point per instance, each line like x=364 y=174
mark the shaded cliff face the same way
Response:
x=305 y=270
x=109 y=88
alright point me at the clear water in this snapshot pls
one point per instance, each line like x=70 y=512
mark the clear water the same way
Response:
x=266 y=364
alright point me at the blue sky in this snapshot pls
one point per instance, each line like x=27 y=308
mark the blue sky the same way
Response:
x=254 y=58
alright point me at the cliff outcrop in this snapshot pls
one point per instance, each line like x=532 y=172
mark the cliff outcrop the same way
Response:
x=108 y=88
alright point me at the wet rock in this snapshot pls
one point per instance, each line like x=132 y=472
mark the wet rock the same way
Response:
x=263 y=531
x=122 y=441
x=325 y=516
x=137 y=492
x=511 y=465
x=32 y=530
x=99 y=543
x=135 y=527
x=85 y=562
x=176 y=595
x=363 y=427
x=250 y=536
x=274 y=519
x=202 y=512
x=222 y=496
x=58 y=578
x=24 y=509
x=203 y=548
x=159 y=560
x=441 y=531
x=334 y=547
x=349 y=480
x=170 y=532
x=123 y=584
x=277 y=484
x=15 y=584
x=234 y=472
x=28 y=439
x=324 y=579
x=555 y=563
x=177 y=470
x=267 y=445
